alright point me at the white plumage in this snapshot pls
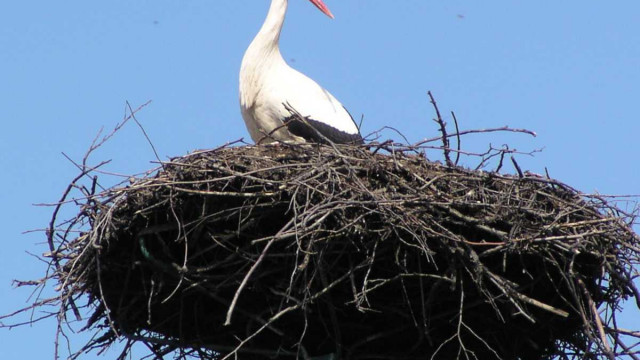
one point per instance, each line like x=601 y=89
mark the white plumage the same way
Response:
x=267 y=83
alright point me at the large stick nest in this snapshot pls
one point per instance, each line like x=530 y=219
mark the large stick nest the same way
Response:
x=297 y=251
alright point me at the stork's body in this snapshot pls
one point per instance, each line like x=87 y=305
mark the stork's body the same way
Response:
x=268 y=85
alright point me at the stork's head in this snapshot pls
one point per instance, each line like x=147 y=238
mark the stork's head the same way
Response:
x=320 y=5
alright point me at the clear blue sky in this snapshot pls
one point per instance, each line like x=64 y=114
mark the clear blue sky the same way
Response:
x=568 y=70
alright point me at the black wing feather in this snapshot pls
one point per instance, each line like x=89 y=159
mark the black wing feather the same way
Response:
x=319 y=132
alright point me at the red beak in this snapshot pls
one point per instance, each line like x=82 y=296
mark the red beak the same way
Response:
x=320 y=5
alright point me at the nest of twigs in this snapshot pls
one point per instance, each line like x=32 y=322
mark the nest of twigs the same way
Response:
x=295 y=251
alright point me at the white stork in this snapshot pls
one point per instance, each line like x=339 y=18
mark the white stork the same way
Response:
x=270 y=88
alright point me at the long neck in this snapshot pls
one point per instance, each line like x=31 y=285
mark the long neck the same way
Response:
x=263 y=53
x=266 y=42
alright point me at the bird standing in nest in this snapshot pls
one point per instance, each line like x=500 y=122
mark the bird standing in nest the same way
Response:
x=280 y=103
